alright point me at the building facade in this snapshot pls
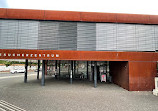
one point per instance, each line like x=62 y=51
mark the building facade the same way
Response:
x=127 y=41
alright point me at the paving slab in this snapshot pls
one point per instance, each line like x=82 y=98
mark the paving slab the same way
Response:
x=60 y=95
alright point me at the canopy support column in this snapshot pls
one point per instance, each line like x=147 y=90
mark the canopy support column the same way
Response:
x=43 y=73
x=25 y=76
x=38 y=69
x=71 y=72
x=95 y=74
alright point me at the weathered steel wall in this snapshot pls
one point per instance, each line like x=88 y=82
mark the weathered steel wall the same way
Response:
x=19 y=37
x=77 y=16
x=142 y=65
x=134 y=75
x=120 y=73
x=141 y=75
x=78 y=55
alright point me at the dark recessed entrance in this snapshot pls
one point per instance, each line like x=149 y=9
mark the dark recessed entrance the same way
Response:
x=92 y=71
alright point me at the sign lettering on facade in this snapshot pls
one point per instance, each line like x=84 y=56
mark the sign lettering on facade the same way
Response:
x=29 y=55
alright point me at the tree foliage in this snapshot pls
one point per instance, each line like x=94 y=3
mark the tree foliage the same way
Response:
x=8 y=63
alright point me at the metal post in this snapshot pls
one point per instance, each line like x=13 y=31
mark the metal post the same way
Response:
x=87 y=70
x=46 y=61
x=77 y=62
x=92 y=72
x=56 y=69
x=59 y=69
x=43 y=73
x=71 y=72
x=26 y=65
x=74 y=68
x=95 y=74
x=68 y=67
x=38 y=69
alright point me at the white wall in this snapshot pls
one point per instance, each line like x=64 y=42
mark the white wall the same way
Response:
x=4 y=68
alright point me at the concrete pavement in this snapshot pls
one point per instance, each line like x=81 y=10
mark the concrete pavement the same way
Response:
x=60 y=95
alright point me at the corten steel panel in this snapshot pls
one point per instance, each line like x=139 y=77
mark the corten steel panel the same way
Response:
x=153 y=19
x=3 y=13
x=25 y=14
x=132 y=18
x=155 y=57
x=141 y=76
x=120 y=73
x=81 y=55
x=62 y=15
x=98 y=17
x=141 y=56
x=77 y=16
x=133 y=76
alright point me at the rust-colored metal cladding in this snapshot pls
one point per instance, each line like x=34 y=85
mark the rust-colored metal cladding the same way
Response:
x=77 y=16
x=132 y=18
x=25 y=14
x=155 y=56
x=142 y=65
x=62 y=15
x=98 y=17
x=141 y=76
x=153 y=19
x=134 y=71
x=133 y=76
x=77 y=55
x=141 y=56
x=3 y=13
x=63 y=55
x=120 y=73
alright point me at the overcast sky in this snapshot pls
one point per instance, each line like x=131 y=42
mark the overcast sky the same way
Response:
x=114 y=6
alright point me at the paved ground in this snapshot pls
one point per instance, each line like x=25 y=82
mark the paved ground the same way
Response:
x=6 y=74
x=80 y=96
